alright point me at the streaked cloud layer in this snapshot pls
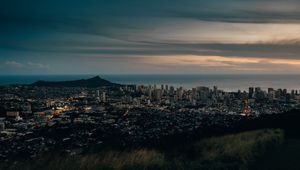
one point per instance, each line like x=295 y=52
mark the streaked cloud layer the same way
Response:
x=141 y=36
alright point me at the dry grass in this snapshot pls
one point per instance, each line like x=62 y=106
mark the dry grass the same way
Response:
x=226 y=152
x=134 y=159
x=141 y=159
x=235 y=151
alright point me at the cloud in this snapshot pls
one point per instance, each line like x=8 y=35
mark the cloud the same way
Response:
x=286 y=49
x=14 y=64
x=118 y=32
x=219 y=64
x=107 y=18
x=25 y=66
x=242 y=16
x=37 y=65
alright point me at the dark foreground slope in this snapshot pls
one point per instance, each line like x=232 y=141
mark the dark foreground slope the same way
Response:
x=92 y=82
x=288 y=121
x=236 y=151
x=285 y=156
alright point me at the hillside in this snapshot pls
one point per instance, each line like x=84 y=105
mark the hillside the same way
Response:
x=92 y=82
x=234 y=151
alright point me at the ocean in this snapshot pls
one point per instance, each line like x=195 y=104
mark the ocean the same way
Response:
x=225 y=82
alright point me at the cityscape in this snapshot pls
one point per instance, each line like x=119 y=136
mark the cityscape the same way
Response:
x=138 y=114
x=149 y=85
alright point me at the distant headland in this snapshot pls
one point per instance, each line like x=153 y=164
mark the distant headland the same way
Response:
x=96 y=81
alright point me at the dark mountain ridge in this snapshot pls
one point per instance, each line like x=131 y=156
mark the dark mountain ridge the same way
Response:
x=92 y=82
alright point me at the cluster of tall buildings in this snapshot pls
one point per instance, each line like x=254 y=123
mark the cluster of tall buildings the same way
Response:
x=24 y=110
x=101 y=97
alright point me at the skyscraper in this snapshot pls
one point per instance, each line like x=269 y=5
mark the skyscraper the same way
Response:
x=103 y=97
x=251 y=92
x=157 y=94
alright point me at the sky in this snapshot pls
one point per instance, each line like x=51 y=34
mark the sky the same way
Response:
x=149 y=37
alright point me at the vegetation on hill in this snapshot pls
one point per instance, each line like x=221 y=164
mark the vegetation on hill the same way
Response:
x=92 y=82
x=234 y=151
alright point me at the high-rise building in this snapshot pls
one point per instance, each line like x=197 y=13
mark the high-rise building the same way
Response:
x=157 y=94
x=194 y=93
x=258 y=93
x=215 y=90
x=284 y=91
x=270 y=90
x=180 y=93
x=172 y=89
x=203 y=93
x=251 y=92
x=98 y=95
x=149 y=93
x=103 y=97
x=271 y=93
x=257 y=89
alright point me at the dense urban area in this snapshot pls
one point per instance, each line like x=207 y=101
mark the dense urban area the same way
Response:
x=36 y=118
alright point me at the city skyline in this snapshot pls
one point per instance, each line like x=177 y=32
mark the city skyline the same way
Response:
x=150 y=37
x=149 y=84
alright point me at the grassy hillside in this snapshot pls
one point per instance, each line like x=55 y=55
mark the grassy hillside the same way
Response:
x=286 y=156
x=234 y=151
